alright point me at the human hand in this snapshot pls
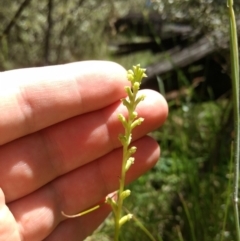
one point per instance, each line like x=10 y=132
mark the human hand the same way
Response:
x=60 y=150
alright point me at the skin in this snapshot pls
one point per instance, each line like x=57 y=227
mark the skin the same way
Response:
x=59 y=148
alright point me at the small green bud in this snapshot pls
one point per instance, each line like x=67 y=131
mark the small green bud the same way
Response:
x=137 y=122
x=127 y=104
x=125 y=194
x=129 y=92
x=129 y=139
x=112 y=203
x=132 y=150
x=130 y=71
x=136 y=86
x=129 y=163
x=130 y=76
x=123 y=120
x=124 y=219
x=139 y=98
x=134 y=114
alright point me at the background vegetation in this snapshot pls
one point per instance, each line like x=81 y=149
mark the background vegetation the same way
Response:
x=187 y=196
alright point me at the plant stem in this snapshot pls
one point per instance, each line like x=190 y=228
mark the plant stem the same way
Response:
x=120 y=201
x=229 y=185
x=130 y=102
x=192 y=230
x=143 y=228
x=235 y=87
x=127 y=134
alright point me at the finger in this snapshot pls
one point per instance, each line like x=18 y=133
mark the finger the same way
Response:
x=36 y=159
x=32 y=99
x=8 y=226
x=40 y=212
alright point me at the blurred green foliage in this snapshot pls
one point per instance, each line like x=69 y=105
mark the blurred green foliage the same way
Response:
x=52 y=32
x=36 y=33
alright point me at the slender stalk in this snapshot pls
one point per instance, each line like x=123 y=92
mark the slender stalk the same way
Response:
x=135 y=77
x=235 y=87
x=229 y=185
x=143 y=228
x=121 y=189
x=82 y=213
x=120 y=200
x=180 y=237
x=191 y=225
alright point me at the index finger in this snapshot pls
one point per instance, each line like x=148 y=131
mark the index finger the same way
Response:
x=35 y=98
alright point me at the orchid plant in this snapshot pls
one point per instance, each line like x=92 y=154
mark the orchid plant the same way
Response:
x=135 y=76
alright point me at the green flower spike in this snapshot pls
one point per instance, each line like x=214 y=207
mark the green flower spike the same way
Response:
x=135 y=76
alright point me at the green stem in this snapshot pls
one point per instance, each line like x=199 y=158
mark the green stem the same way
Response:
x=135 y=77
x=143 y=228
x=82 y=213
x=128 y=131
x=120 y=201
x=229 y=185
x=235 y=87
x=191 y=225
